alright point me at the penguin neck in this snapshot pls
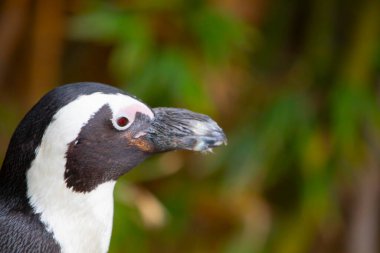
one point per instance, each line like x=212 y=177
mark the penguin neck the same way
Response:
x=79 y=222
x=13 y=187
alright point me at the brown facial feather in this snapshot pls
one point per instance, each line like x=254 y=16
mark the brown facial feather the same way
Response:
x=141 y=144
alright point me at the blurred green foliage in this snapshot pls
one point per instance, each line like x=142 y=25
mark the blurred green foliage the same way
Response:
x=297 y=136
x=162 y=49
x=295 y=84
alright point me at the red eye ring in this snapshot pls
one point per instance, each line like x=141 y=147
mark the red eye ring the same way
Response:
x=122 y=121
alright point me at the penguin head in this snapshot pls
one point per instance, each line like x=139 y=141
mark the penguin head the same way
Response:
x=87 y=134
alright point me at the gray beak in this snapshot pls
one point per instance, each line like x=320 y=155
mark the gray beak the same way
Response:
x=174 y=128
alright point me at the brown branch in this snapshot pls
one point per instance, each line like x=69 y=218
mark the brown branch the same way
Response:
x=12 y=21
x=363 y=230
x=47 y=46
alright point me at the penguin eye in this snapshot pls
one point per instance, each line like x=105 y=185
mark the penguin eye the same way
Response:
x=121 y=123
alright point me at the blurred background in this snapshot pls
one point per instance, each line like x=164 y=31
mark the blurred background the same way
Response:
x=295 y=84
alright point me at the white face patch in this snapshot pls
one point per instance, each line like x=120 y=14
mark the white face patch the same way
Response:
x=80 y=222
x=129 y=113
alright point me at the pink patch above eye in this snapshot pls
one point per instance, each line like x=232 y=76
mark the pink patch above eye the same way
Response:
x=122 y=121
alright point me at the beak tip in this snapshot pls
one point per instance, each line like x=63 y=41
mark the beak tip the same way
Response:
x=205 y=143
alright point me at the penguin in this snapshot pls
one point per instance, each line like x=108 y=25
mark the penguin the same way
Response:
x=63 y=160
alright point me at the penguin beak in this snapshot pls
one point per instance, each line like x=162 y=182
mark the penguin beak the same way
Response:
x=174 y=129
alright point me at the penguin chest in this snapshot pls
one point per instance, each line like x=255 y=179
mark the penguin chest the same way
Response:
x=79 y=222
